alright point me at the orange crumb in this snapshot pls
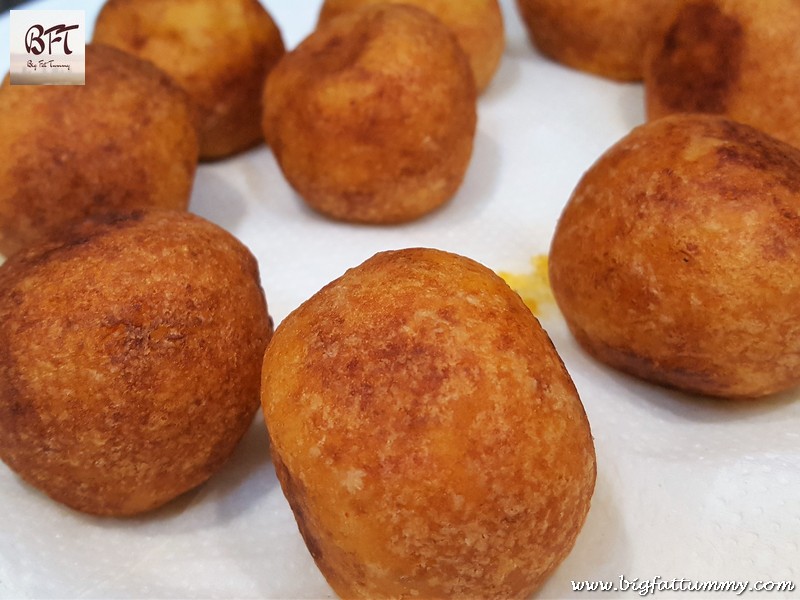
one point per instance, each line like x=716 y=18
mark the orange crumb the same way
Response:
x=533 y=287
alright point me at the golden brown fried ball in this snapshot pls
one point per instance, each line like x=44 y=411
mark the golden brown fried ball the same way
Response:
x=130 y=354
x=124 y=140
x=425 y=432
x=373 y=116
x=675 y=259
x=602 y=37
x=478 y=25
x=737 y=58
x=219 y=51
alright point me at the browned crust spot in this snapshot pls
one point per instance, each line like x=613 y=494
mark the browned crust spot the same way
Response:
x=699 y=61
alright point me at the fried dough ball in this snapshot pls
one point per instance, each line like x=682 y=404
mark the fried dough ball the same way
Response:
x=372 y=118
x=425 y=432
x=602 y=37
x=130 y=354
x=737 y=58
x=478 y=25
x=675 y=259
x=219 y=51
x=125 y=140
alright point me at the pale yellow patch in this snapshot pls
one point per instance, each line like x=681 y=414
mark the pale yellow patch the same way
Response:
x=354 y=480
x=700 y=147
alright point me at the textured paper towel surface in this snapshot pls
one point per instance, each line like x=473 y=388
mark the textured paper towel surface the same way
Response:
x=687 y=488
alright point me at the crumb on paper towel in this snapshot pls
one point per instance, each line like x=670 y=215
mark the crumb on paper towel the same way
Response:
x=533 y=287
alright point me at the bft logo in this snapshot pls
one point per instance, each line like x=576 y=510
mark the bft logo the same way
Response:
x=48 y=47
x=35 y=38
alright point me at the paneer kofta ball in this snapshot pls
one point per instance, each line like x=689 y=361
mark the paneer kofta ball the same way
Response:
x=125 y=140
x=426 y=433
x=220 y=51
x=130 y=356
x=736 y=58
x=478 y=25
x=372 y=117
x=603 y=37
x=676 y=257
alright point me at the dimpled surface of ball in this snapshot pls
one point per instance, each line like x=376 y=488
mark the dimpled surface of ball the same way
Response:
x=674 y=260
x=425 y=432
x=125 y=140
x=219 y=51
x=478 y=25
x=372 y=118
x=130 y=354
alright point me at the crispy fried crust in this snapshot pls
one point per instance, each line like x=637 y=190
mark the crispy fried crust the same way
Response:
x=675 y=259
x=426 y=433
x=219 y=51
x=123 y=141
x=373 y=116
x=478 y=25
x=130 y=354
x=737 y=58
x=603 y=37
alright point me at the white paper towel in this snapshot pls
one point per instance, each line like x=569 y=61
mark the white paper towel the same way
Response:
x=688 y=488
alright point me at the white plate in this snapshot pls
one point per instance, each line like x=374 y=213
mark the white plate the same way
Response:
x=688 y=488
